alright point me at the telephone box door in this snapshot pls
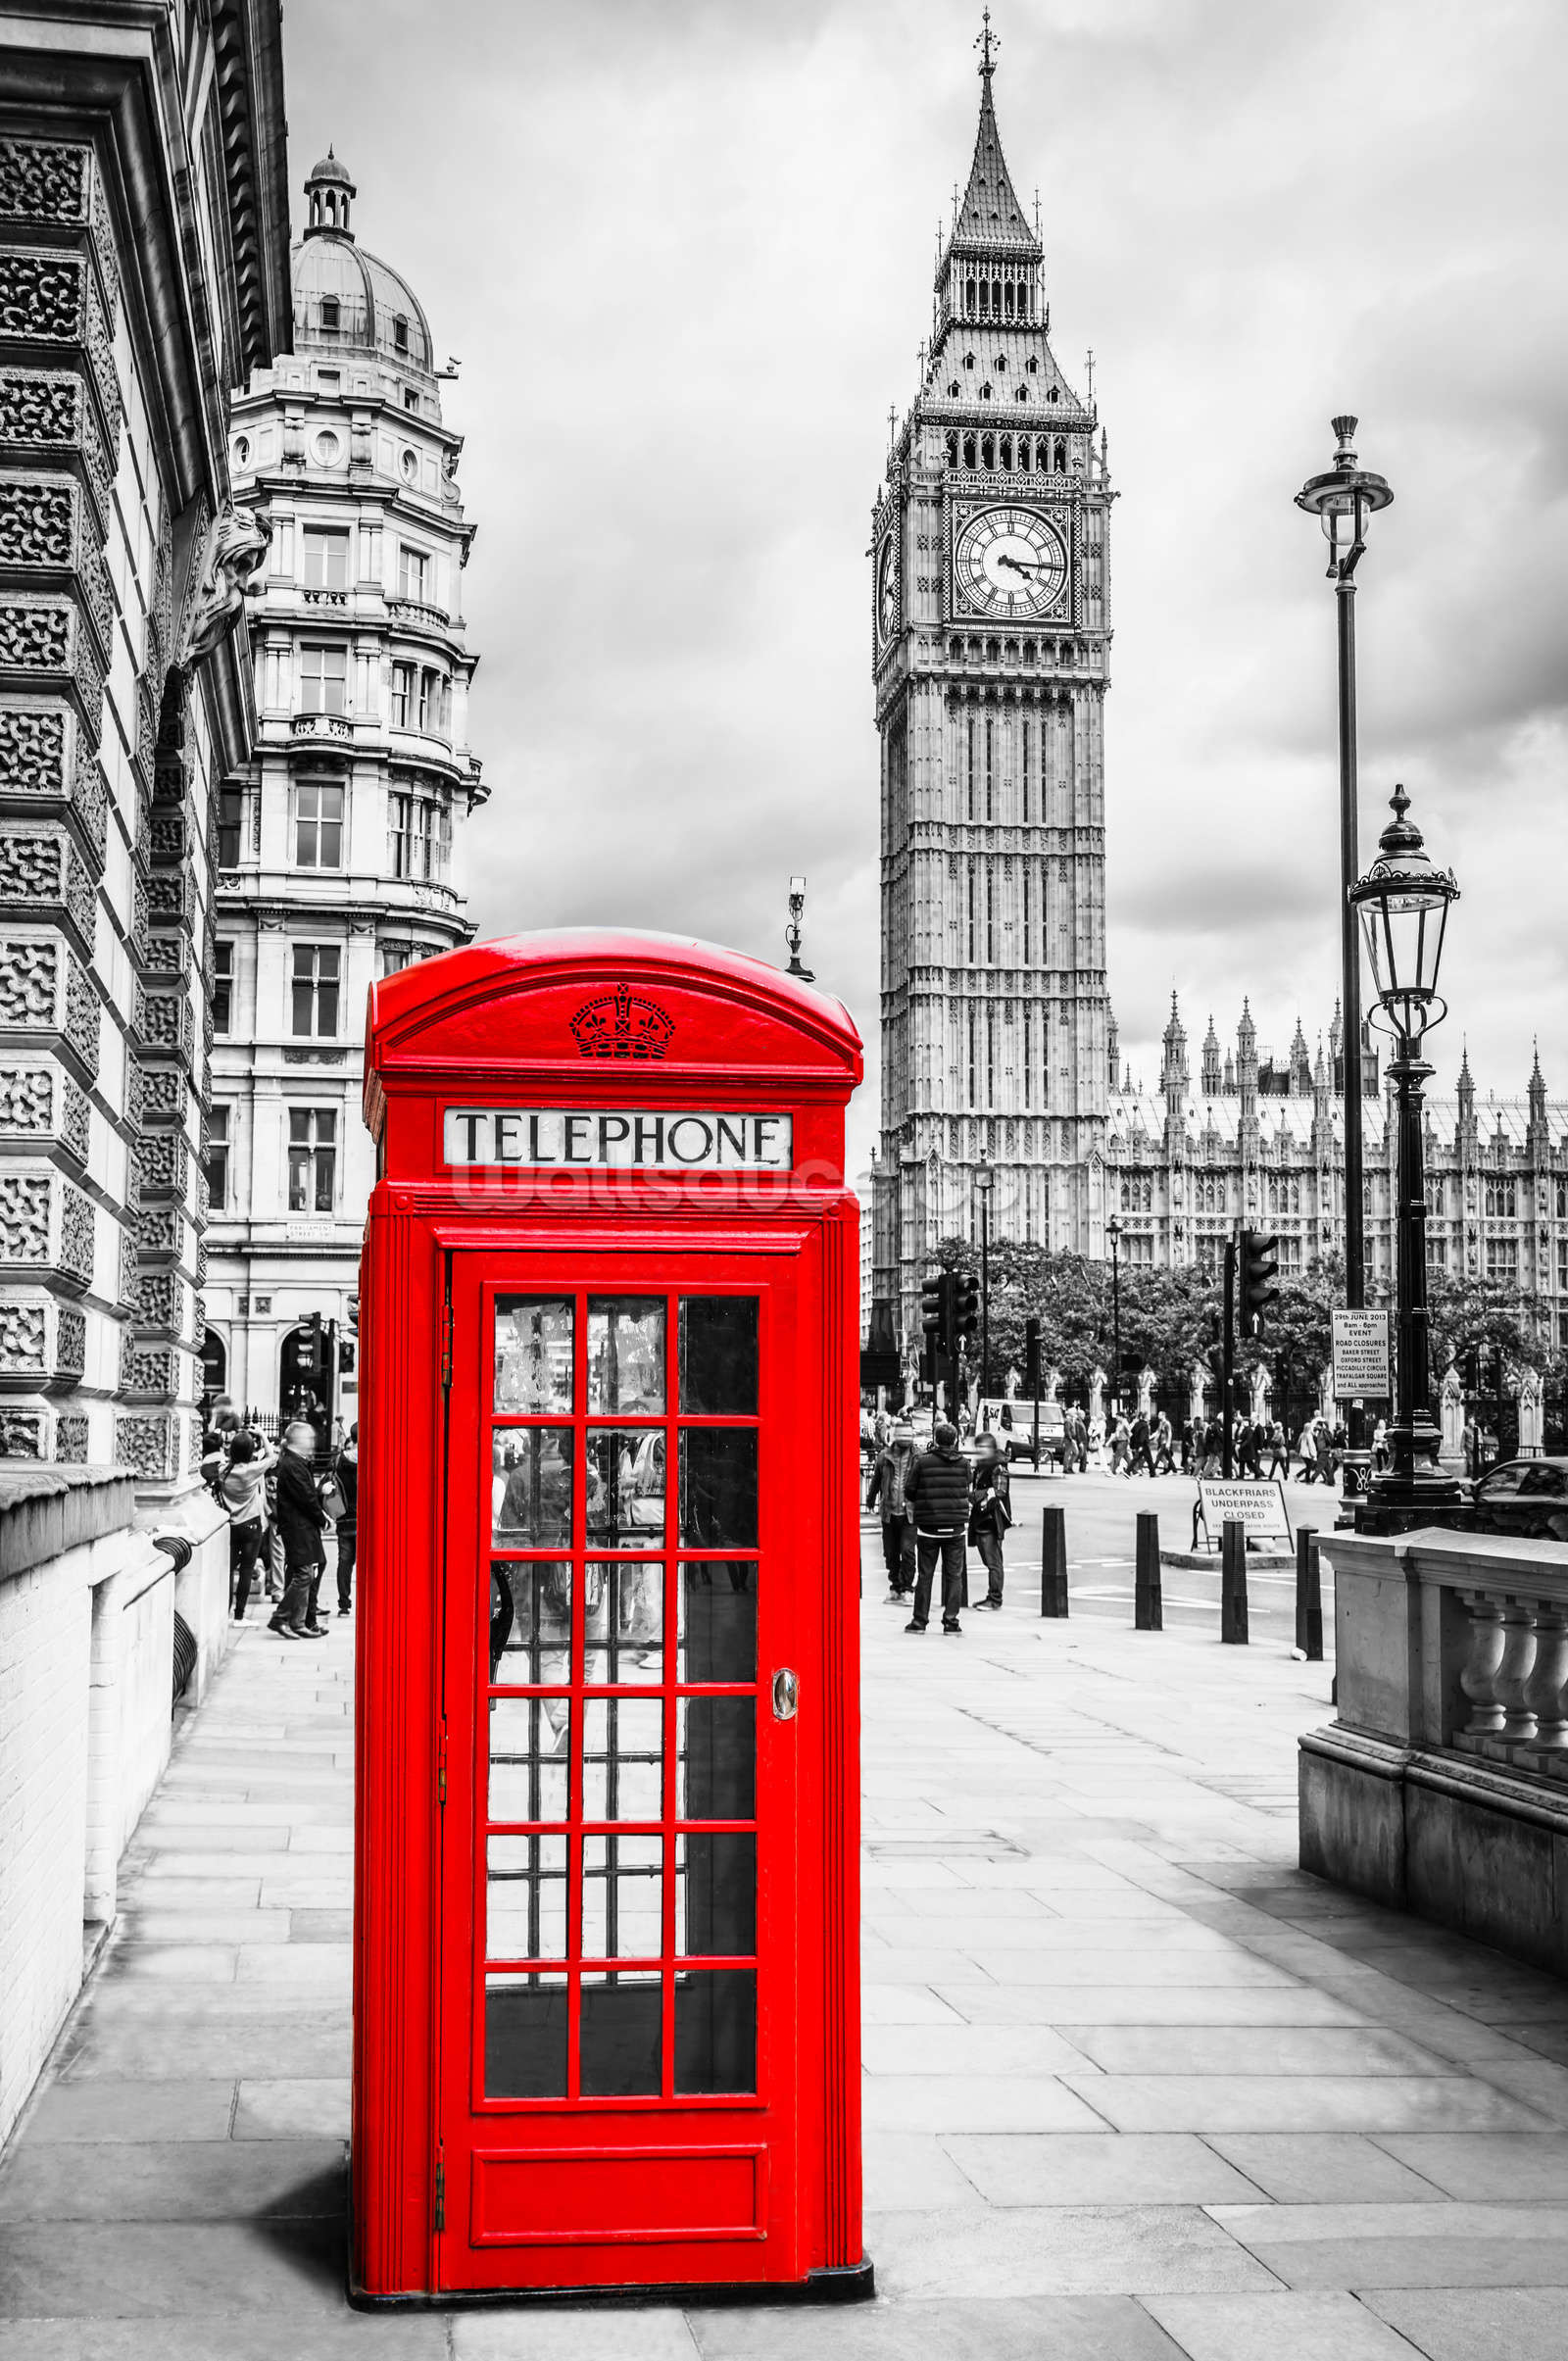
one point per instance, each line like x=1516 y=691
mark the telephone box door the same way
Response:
x=624 y=1692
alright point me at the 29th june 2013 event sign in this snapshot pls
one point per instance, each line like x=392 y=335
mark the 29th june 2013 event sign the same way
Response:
x=1362 y=1370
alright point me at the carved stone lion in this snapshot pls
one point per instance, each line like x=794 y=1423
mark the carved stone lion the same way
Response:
x=233 y=557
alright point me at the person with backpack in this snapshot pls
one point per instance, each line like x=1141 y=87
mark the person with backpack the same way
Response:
x=302 y=1521
x=346 y=1473
x=243 y=1492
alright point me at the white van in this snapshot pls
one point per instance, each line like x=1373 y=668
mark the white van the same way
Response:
x=1013 y=1425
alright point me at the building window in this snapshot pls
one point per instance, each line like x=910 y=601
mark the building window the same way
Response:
x=420 y=837
x=327 y=565
x=435 y=703
x=395 y=956
x=400 y=333
x=316 y=967
x=414 y=574
x=1503 y=1259
x=1138 y=1193
x=1290 y=1253
x=1563 y=1266
x=324 y=679
x=311 y=1158
x=1208 y=1192
x=402 y=695
x=1436 y=1253
x=330 y=314
x=1562 y=1201
x=318 y=826
x=231 y=826
x=1284 y=1192
x=1137 y=1249
x=1502 y=1199
x=222 y=987
x=1435 y=1190
x=410 y=400
x=217 y=1158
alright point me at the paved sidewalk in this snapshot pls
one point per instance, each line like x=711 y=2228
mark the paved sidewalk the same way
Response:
x=1134 y=2087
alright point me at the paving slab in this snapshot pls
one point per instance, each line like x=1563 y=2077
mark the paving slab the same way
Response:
x=101 y=2112
x=1317 y=2168
x=290 y=2108
x=1075 y=2168
x=1486 y=2164
x=1284 y=2326
x=1239 y=2050
x=1083 y=2250
x=219 y=2179
x=1261 y=2102
x=1098 y=2327
x=1495 y=2324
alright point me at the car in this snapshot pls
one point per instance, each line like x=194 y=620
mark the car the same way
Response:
x=1525 y=1497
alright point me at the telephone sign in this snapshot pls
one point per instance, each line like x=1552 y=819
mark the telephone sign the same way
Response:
x=605 y=1937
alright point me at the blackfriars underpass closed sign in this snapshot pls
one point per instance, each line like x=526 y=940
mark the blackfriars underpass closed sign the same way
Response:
x=616 y=1139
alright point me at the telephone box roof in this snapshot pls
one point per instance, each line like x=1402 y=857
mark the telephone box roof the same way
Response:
x=584 y=1003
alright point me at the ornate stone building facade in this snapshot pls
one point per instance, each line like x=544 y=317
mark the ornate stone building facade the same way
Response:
x=340 y=842
x=1259 y=1139
x=991 y=638
x=126 y=316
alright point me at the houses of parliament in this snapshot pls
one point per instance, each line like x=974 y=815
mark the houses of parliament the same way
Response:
x=991 y=643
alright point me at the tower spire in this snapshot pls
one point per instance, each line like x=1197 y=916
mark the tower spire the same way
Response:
x=987 y=43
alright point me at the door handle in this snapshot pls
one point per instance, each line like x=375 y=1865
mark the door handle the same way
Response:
x=786 y=1694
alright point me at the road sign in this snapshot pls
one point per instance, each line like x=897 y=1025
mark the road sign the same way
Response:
x=1362 y=1357
x=1259 y=1506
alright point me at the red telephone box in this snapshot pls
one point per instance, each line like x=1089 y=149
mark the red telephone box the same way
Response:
x=607 y=1979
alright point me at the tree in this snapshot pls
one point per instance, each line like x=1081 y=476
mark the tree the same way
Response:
x=1486 y=1311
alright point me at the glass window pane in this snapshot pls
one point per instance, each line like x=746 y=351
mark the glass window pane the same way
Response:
x=626 y=1354
x=717 y=1758
x=719 y=1487
x=716 y=1893
x=533 y=1352
x=530 y=1487
x=622 y=2027
x=525 y=1898
x=715 y=2029
x=719 y=1355
x=625 y=1487
x=624 y=1624
x=623 y=1758
x=717 y=1623
x=530 y=1623
x=623 y=1897
x=525 y=2031
x=531 y=1753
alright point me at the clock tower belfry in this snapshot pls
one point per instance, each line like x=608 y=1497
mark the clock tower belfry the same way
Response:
x=990 y=654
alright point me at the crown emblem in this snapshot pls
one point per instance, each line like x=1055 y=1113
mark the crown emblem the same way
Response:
x=622 y=1025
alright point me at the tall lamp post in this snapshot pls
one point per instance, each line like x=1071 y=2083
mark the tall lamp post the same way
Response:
x=1114 y=1233
x=985 y=1180
x=1343 y=501
x=1402 y=903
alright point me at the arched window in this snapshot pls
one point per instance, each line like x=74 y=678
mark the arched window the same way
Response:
x=969 y=360
x=1022 y=394
x=987 y=450
x=985 y=393
x=1001 y=364
x=329 y=313
x=985 y=297
x=969 y=450
x=1006 y=300
x=1006 y=451
x=968 y=299
x=400 y=332
x=996 y=299
x=1062 y=458
x=1034 y=365
x=953 y=451
x=1055 y=394
x=952 y=390
x=992 y=652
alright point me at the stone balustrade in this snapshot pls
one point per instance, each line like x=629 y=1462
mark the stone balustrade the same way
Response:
x=1443 y=1784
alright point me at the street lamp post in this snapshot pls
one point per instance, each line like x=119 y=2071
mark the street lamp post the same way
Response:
x=985 y=1180
x=1402 y=903
x=1114 y=1233
x=1343 y=501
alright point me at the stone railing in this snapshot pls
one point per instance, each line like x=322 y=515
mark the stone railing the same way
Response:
x=321 y=725
x=1442 y=1784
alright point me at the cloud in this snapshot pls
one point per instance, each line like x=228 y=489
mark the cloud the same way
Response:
x=685 y=251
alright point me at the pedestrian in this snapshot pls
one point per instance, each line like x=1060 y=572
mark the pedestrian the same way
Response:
x=346 y=1468
x=1138 y=1454
x=1249 y=1446
x=1279 y=1451
x=1323 y=1446
x=1380 y=1445
x=243 y=1491
x=990 y=1514
x=1189 y=1431
x=889 y=1478
x=936 y=1493
x=1164 y=1445
x=302 y=1521
x=216 y=1443
x=1306 y=1444
x=1470 y=1443
x=1120 y=1445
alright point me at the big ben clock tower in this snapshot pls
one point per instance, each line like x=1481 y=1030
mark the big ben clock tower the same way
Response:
x=990 y=650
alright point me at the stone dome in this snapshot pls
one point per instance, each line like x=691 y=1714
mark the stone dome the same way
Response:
x=345 y=299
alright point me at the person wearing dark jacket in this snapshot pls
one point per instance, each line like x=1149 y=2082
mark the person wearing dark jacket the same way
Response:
x=888 y=1480
x=346 y=1468
x=990 y=1514
x=300 y=1521
x=936 y=1494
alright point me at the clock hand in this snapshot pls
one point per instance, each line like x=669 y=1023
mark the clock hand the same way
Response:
x=1019 y=565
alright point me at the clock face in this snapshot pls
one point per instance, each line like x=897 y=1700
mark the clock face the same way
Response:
x=887 y=590
x=1010 y=563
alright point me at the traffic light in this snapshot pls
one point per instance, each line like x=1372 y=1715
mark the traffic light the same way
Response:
x=966 y=1306
x=1470 y=1368
x=1260 y=1260
x=1031 y=1354
x=935 y=1302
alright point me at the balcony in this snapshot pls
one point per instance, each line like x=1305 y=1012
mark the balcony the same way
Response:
x=324 y=597
x=418 y=610
x=322 y=726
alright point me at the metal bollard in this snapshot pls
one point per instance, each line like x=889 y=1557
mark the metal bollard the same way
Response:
x=1308 y=1596
x=1233 y=1584
x=1149 y=1606
x=1054 y=1562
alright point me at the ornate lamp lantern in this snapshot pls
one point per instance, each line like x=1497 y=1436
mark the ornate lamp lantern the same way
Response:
x=1402 y=903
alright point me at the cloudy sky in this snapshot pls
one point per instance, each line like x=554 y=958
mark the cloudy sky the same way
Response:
x=684 y=248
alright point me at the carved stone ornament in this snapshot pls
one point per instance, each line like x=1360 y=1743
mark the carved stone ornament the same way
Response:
x=142 y=1444
x=231 y=563
x=71 y=1438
